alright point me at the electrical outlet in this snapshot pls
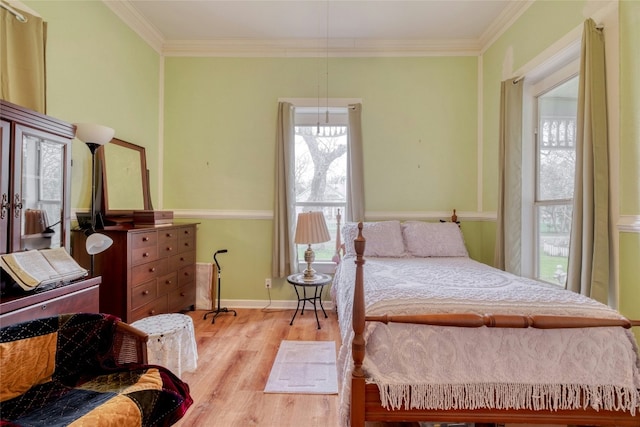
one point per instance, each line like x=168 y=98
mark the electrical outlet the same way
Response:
x=267 y=283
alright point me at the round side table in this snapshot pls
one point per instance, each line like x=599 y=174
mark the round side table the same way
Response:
x=298 y=281
x=171 y=343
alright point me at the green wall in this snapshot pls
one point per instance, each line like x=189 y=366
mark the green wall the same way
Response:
x=99 y=71
x=419 y=120
x=630 y=157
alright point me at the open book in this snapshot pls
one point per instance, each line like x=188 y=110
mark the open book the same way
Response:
x=31 y=269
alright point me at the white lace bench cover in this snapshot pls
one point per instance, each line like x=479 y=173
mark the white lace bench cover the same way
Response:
x=172 y=341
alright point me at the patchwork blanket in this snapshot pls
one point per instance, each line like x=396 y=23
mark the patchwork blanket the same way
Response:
x=60 y=371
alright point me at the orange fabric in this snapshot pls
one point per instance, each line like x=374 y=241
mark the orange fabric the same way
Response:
x=25 y=363
x=116 y=412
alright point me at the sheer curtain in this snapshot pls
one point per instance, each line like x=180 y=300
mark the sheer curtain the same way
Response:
x=22 y=60
x=509 y=221
x=355 y=168
x=284 y=255
x=589 y=271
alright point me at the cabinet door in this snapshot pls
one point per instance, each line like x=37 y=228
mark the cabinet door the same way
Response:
x=40 y=193
x=5 y=130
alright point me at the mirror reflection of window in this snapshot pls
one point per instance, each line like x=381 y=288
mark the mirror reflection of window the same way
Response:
x=42 y=192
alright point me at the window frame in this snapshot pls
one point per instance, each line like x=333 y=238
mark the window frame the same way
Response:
x=310 y=112
x=543 y=81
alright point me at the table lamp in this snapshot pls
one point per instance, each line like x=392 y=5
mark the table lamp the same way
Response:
x=311 y=228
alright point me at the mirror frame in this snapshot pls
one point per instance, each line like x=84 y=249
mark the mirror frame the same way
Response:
x=105 y=185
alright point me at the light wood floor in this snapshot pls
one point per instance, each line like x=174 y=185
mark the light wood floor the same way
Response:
x=234 y=360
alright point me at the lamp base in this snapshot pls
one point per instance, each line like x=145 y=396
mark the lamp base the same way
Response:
x=309 y=274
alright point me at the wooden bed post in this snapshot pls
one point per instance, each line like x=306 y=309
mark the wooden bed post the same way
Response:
x=358 y=344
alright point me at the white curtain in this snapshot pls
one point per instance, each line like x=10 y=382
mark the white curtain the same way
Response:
x=284 y=255
x=590 y=272
x=355 y=168
x=509 y=221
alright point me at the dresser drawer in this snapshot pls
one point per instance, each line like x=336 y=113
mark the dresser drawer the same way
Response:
x=143 y=293
x=182 y=298
x=168 y=237
x=148 y=271
x=167 y=283
x=167 y=247
x=144 y=254
x=178 y=261
x=187 y=239
x=144 y=240
x=157 y=306
x=187 y=275
x=85 y=300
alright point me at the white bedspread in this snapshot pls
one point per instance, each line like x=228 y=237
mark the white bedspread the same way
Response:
x=453 y=368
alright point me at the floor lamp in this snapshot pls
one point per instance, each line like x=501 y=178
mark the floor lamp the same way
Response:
x=94 y=136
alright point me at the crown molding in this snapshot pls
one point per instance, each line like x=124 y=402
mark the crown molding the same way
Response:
x=313 y=47
x=318 y=48
x=503 y=22
x=138 y=23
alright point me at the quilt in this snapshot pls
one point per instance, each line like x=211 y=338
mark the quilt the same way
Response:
x=59 y=371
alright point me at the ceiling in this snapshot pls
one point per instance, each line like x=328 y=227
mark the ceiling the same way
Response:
x=299 y=27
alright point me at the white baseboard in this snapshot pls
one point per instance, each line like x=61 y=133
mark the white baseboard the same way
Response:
x=261 y=304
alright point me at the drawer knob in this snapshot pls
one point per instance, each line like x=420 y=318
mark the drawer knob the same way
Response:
x=169 y=235
x=145 y=239
x=152 y=269
x=145 y=293
x=186 y=273
x=186 y=244
x=145 y=255
x=169 y=248
x=168 y=282
x=182 y=294
x=44 y=307
x=152 y=312
x=181 y=258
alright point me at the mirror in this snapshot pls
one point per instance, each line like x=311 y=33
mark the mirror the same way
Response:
x=42 y=213
x=124 y=178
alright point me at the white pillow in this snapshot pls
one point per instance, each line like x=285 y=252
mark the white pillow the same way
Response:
x=383 y=239
x=433 y=239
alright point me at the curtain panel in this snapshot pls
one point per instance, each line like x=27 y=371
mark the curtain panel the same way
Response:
x=284 y=255
x=590 y=272
x=355 y=166
x=22 y=60
x=509 y=216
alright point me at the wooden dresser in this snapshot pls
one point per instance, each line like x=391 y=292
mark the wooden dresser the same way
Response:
x=75 y=297
x=147 y=271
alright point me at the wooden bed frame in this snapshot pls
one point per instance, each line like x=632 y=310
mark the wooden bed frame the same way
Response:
x=365 y=398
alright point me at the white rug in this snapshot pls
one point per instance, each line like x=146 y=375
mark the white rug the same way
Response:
x=304 y=367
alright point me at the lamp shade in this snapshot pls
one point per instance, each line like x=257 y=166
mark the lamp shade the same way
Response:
x=311 y=228
x=93 y=133
x=97 y=243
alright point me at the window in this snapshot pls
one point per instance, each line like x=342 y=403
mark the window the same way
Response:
x=321 y=169
x=555 y=162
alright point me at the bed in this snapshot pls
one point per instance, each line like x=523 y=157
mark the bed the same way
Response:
x=430 y=335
